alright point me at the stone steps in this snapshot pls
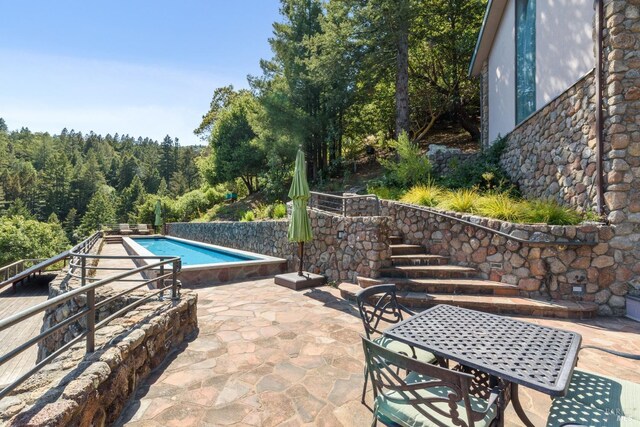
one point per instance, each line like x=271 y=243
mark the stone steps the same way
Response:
x=403 y=249
x=492 y=304
x=395 y=240
x=419 y=259
x=445 y=286
x=428 y=271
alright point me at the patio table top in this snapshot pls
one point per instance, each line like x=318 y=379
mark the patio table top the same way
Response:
x=539 y=357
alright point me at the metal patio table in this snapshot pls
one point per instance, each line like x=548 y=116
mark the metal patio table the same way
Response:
x=510 y=351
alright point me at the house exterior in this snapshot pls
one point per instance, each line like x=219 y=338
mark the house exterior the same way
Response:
x=560 y=80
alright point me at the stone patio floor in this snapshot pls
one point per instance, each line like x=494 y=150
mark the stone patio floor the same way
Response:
x=266 y=355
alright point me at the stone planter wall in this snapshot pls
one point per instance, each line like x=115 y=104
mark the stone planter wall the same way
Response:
x=53 y=316
x=548 y=271
x=81 y=390
x=342 y=247
x=443 y=158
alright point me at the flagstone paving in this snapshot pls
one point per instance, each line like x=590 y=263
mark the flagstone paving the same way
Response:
x=266 y=355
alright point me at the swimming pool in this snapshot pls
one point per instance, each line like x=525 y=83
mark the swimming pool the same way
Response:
x=190 y=253
x=203 y=263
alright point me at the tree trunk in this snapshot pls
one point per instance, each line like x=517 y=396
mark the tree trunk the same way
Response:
x=466 y=122
x=402 y=71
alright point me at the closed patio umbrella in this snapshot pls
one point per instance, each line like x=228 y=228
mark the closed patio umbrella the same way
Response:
x=158 y=221
x=300 y=225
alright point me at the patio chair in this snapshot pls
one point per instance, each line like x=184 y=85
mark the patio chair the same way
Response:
x=143 y=229
x=124 y=229
x=379 y=307
x=597 y=400
x=429 y=395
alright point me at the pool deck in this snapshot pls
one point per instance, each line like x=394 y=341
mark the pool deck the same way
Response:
x=26 y=296
x=266 y=355
x=116 y=249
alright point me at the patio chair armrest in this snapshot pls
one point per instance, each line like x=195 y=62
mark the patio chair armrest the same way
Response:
x=614 y=352
x=406 y=310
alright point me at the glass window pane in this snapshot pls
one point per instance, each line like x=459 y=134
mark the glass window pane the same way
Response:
x=525 y=59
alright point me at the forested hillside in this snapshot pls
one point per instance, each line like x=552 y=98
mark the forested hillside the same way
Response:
x=345 y=74
x=83 y=180
x=346 y=80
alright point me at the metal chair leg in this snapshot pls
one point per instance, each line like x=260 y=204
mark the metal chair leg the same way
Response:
x=364 y=389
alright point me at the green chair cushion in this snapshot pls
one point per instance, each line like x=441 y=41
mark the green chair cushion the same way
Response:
x=611 y=395
x=392 y=407
x=566 y=410
x=402 y=348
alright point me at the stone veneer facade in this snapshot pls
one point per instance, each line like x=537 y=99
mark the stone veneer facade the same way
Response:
x=547 y=271
x=342 y=248
x=91 y=390
x=553 y=153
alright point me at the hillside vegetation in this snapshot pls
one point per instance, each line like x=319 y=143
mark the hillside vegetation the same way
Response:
x=346 y=79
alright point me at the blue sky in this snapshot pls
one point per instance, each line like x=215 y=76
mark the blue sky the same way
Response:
x=146 y=68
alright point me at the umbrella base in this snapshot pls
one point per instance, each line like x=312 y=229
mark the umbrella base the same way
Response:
x=296 y=282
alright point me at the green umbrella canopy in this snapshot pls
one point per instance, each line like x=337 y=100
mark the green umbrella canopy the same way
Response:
x=300 y=225
x=158 y=221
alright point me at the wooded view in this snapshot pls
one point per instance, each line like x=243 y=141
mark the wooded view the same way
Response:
x=346 y=76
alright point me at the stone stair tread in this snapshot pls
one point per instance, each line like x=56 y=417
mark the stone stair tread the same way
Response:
x=427 y=268
x=509 y=305
x=406 y=246
x=457 y=282
x=418 y=256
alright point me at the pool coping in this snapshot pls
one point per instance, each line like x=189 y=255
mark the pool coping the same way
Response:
x=260 y=259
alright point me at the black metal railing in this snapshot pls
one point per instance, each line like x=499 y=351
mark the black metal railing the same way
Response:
x=78 y=257
x=16 y=272
x=345 y=205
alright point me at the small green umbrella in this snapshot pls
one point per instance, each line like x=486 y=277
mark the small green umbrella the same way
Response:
x=300 y=225
x=158 y=221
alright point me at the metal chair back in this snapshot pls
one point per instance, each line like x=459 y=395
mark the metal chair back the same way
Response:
x=378 y=307
x=446 y=388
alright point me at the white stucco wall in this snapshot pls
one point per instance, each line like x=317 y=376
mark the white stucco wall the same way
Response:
x=564 y=46
x=502 y=108
x=564 y=54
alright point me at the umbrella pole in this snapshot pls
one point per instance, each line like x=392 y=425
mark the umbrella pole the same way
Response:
x=300 y=255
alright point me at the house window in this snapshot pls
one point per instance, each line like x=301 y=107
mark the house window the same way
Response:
x=525 y=59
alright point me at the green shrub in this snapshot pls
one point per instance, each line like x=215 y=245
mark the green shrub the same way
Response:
x=412 y=167
x=248 y=216
x=482 y=172
x=279 y=211
x=192 y=205
x=262 y=211
x=461 y=200
x=384 y=192
x=424 y=195
x=27 y=238
x=215 y=195
x=500 y=206
x=550 y=212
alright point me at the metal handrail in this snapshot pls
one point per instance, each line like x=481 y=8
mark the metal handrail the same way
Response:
x=79 y=252
x=527 y=242
x=340 y=201
x=33 y=269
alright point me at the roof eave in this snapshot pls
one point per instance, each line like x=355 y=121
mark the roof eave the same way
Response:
x=490 y=24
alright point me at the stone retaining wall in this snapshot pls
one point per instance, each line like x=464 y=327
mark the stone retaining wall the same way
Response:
x=444 y=159
x=342 y=247
x=82 y=390
x=552 y=154
x=55 y=315
x=537 y=271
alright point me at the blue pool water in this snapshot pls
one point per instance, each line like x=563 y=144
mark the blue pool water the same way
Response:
x=190 y=254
